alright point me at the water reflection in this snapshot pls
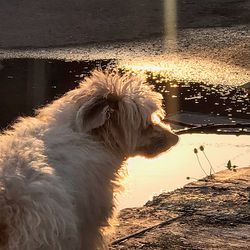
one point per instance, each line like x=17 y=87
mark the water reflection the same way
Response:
x=220 y=100
x=26 y=84
x=148 y=177
x=194 y=67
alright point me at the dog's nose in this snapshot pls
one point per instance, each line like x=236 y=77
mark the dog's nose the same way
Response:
x=172 y=138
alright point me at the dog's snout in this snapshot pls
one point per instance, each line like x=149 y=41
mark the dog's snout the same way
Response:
x=167 y=136
x=172 y=138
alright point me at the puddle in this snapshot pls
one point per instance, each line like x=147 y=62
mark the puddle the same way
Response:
x=26 y=84
x=219 y=100
x=149 y=177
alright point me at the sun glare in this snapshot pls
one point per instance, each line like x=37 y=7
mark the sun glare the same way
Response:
x=187 y=68
x=170 y=24
x=155 y=118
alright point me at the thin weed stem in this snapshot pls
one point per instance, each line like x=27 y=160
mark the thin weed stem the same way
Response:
x=200 y=164
x=211 y=167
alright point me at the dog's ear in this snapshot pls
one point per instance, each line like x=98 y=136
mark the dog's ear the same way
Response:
x=95 y=113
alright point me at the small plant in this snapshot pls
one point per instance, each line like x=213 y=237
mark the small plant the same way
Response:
x=203 y=151
x=231 y=167
x=196 y=151
x=198 y=159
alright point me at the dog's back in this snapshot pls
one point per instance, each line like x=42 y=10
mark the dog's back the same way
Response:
x=4 y=237
x=31 y=197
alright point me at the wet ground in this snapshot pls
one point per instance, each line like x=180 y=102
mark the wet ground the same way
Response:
x=211 y=55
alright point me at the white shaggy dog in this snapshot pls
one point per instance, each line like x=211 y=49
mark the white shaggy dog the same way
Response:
x=58 y=170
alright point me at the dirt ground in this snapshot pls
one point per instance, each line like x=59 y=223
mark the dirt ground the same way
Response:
x=207 y=214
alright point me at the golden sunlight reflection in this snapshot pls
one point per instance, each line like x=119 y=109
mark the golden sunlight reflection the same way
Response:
x=188 y=68
x=170 y=24
x=148 y=177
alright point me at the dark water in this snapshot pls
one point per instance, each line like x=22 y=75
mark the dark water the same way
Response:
x=219 y=100
x=26 y=84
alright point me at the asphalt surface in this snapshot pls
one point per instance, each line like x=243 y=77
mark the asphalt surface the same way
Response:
x=47 y=23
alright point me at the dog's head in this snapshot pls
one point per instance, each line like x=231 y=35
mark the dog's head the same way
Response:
x=124 y=113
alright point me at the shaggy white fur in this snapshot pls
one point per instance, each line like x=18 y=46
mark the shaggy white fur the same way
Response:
x=59 y=169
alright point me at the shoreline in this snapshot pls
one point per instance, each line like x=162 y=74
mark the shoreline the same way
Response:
x=205 y=214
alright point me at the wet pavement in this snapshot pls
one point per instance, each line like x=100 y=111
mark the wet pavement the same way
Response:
x=212 y=55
